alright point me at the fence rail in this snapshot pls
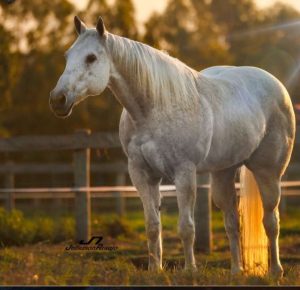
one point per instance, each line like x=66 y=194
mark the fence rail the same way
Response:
x=291 y=189
x=61 y=142
x=122 y=189
x=60 y=168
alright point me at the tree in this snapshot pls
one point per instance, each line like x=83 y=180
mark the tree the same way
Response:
x=119 y=17
x=124 y=19
x=235 y=15
x=8 y=72
x=195 y=40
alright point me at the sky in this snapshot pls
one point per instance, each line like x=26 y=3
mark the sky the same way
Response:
x=144 y=8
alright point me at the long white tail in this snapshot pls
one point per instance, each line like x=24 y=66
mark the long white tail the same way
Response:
x=254 y=241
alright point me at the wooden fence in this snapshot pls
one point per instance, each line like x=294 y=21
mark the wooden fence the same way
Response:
x=80 y=143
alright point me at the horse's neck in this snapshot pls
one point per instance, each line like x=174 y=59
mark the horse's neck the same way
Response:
x=122 y=86
x=136 y=98
x=134 y=102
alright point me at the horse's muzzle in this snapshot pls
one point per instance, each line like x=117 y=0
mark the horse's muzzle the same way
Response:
x=59 y=104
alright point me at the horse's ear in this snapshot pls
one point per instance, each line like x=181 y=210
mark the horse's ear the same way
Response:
x=79 y=25
x=101 y=27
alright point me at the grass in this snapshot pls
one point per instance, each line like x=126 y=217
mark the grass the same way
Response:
x=48 y=263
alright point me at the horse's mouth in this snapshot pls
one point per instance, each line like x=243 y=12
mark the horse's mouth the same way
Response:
x=65 y=114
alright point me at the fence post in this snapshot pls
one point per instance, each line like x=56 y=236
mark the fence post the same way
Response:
x=9 y=183
x=203 y=235
x=82 y=199
x=120 y=200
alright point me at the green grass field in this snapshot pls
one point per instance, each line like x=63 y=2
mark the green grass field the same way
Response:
x=48 y=263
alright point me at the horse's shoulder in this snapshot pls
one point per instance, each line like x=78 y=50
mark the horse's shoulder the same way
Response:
x=126 y=129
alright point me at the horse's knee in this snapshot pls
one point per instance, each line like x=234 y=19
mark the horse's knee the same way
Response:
x=186 y=230
x=153 y=231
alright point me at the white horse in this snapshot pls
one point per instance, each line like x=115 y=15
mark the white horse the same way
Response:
x=177 y=122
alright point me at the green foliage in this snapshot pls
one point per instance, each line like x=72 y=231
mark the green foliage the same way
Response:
x=17 y=230
x=14 y=229
x=118 y=227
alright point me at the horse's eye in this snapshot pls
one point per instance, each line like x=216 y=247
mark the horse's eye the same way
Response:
x=90 y=58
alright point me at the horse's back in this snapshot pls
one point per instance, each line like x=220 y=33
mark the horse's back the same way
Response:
x=251 y=83
x=238 y=74
x=242 y=75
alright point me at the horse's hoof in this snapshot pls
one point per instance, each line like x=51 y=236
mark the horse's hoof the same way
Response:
x=236 y=271
x=276 y=272
x=154 y=268
x=191 y=268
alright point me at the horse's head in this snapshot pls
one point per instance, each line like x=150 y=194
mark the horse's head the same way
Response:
x=87 y=69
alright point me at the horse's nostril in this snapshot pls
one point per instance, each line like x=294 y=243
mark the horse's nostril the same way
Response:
x=62 y=100
x=58 y=101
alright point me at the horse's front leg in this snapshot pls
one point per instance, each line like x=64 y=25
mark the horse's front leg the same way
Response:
x=185 y=181
x=148 y=189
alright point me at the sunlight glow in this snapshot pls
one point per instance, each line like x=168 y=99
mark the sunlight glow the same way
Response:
x=266 y=3
x=253 y=236
x=265 y=29
x=294 y=76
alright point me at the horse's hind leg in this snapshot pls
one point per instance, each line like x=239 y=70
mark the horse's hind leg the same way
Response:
x=224 y=196
x=148 y=189
x=185 y=181
x=269 y=186
x=268 y=164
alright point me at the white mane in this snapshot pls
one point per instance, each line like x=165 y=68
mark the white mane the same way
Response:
x=164 y=79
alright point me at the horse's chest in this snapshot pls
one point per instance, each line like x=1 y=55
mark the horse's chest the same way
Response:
x=154 y=154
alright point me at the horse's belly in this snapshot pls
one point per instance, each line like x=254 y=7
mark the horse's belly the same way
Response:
x=227 y=152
